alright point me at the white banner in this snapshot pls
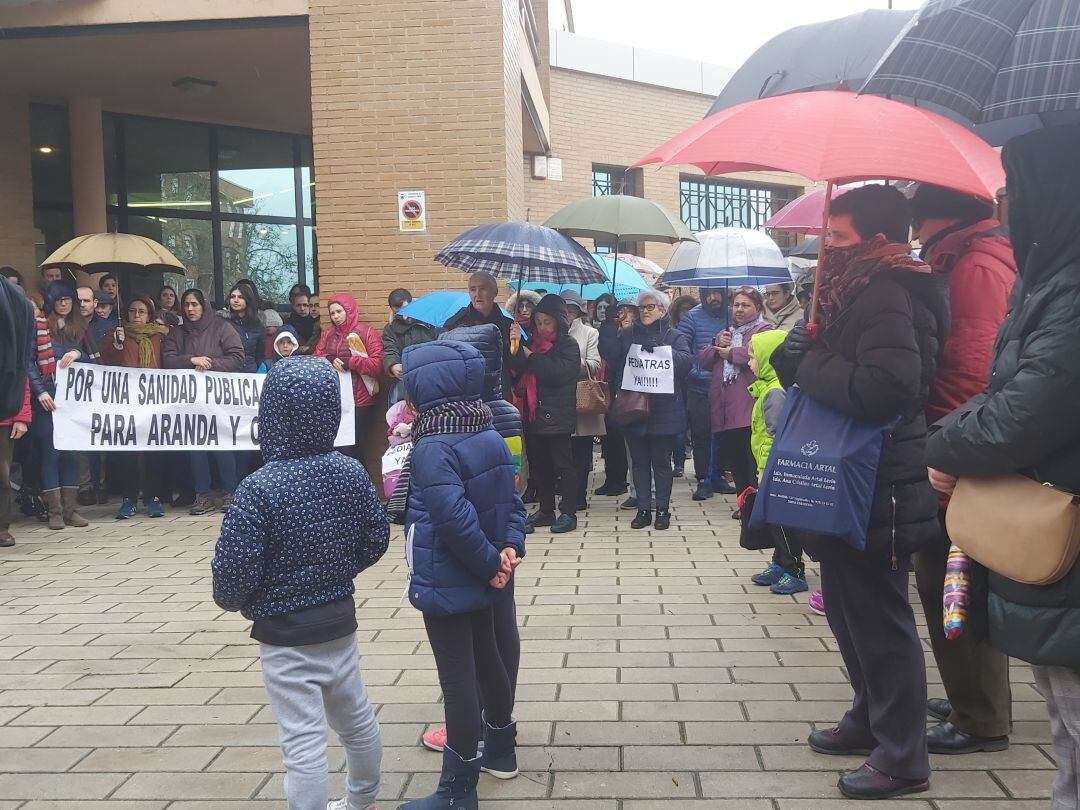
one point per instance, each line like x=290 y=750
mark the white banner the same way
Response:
x=114 y=408
x=652 y=372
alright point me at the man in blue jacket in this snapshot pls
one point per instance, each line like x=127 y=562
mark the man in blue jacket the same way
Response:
x=298 y=532
x=701 y=325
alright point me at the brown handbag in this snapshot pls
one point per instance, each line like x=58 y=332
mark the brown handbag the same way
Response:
x=631 y=407
x=1017 y=527
x=593 y=396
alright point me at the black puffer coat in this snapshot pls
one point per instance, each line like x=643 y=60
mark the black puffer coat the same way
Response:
x=556 y=371
x=1026 y=422
x=875 y=362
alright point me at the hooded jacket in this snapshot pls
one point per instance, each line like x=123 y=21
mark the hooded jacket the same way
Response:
x=785 y=318
x=1025 y=420
x=667 y=414
x=302 y=526
x=210 y=336
x=463 y=508
x=334 y=345
x=556 y=371
x=875 y=362
x=767 y=393
x=700 y=325
x=978 y=261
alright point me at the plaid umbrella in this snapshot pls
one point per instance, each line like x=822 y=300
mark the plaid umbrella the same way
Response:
x=520 y=251
x=989 y=60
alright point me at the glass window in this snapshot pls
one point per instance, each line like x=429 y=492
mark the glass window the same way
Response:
x=608 y=180
x=307 y=177
x=110 y=127
x=256 y=173
x=50 y=155
x=311 y=257
x=264 y=252
x=190 y=240
x=707 y=204
x=52 y=227
x=168 y=164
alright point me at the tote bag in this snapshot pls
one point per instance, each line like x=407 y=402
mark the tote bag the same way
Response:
x=821 y=471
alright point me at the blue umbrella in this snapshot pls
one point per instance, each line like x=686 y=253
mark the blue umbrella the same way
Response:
x=626 y=280
x=438 y=307
x=521 y=252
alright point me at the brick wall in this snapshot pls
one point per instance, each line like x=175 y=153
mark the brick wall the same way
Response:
x=16 y=199
x=408 y=99
x=597 y=119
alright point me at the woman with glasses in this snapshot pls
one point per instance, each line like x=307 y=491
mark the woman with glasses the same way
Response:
x=137 y=344
x=652 y=440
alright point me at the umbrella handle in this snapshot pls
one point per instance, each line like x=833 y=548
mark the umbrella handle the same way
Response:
x=825 y=210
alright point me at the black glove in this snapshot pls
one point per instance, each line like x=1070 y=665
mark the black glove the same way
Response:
x=648 y=343
x=799 y=341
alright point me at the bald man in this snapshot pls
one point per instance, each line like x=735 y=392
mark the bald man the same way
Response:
x=482 y=308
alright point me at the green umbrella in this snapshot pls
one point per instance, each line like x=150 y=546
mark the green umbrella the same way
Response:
x=620 y=217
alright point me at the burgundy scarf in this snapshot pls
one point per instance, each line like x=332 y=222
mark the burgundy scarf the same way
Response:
x=846 y=271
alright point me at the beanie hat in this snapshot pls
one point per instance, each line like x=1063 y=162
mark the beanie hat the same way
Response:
x=271 y=317
x=55 y=291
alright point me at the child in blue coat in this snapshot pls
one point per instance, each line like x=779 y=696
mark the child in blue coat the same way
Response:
x=298 y=532
x=465 y=534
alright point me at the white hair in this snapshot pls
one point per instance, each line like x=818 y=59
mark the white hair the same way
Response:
x=658 y=296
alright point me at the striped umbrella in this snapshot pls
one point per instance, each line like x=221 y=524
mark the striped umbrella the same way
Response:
x=989 y=60
x=520 y=252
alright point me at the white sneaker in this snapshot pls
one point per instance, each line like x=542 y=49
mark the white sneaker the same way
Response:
x=343 y=804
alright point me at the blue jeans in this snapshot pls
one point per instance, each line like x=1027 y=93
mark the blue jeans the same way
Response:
x=59 y=468
x=226 y=467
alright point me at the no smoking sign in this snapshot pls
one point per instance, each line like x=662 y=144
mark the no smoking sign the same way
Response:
x=412 y=211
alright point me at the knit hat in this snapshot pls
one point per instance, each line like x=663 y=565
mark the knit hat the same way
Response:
x=54 y=292
x=271 y=317
x=554 y=306
x=935 y=202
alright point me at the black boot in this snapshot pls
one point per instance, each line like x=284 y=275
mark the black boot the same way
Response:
x=457 y=785
x=703 y=491
x=565 y=523
x=663 y=519
x=538 y=518
x=642 y=519
x=500 y=757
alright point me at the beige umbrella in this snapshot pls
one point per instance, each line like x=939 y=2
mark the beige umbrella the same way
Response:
x=99 y=252
x=649 y=270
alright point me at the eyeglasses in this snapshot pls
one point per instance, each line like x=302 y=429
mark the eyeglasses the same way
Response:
x=648 y=307
x=139 y=311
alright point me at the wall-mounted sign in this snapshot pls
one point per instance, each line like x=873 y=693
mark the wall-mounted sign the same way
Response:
x=412 y=211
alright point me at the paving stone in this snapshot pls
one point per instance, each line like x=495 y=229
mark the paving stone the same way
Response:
x=191 y=786
x=128 y=760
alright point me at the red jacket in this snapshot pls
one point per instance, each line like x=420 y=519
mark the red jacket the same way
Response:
x=981 y=267
x=334 y=344
x=24 y=415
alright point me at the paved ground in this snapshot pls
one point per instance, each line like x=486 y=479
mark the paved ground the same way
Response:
x=653 y=676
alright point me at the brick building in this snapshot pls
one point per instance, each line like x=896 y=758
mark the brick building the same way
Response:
x=271 y=138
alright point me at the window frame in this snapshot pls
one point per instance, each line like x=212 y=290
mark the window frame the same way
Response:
x=711 y=202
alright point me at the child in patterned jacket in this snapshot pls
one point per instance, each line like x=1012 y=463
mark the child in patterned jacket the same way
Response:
x=298 y=532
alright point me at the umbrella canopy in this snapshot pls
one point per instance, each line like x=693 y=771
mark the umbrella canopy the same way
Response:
x=831 y=55
x=620 y=217
x=438 y=307
x=726 y=257
x=112 y=251
x=803 y=214
x=839 y=137
x=625 y=279
x=989 y=60
x=521 y=252
x=806 y=249
x=647 y=268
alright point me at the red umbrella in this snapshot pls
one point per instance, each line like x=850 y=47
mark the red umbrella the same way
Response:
x=837 y=137
x=803 y=214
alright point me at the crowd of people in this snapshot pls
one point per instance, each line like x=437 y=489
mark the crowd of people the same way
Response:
x=967 y=350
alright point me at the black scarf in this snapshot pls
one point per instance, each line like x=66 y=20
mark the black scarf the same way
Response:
x=303 y=324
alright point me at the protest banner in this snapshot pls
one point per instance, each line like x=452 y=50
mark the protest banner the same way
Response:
x=393 y=461
x=115 y=408
x=652 y=372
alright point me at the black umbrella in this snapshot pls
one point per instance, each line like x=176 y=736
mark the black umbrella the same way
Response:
x=1016 y=62
x=831 y=55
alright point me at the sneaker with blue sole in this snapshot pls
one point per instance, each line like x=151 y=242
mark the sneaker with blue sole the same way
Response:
x=770 y=576
x=155 y=509
x=127 y=510
x=789 y=584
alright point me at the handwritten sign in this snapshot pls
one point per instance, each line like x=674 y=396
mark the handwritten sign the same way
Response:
x=114 y=408
x=652 y=372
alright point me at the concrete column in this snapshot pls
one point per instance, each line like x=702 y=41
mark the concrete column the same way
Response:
x=16 y=188
x=87 y=165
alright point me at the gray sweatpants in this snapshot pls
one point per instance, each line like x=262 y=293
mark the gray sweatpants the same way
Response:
x=1061 y=688
x=308 y=688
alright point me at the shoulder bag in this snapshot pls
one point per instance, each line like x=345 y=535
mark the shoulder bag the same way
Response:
x=1017 y=527
x=593 y=396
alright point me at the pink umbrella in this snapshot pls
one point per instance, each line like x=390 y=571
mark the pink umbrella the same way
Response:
x=803 y=214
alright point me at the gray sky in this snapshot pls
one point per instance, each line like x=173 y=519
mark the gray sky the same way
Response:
x=724 y=32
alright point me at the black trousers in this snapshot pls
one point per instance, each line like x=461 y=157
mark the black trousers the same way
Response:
x=787 y=552
x=551 y=465
x=467 y=657
x=974 y=674
x=737 y=456
x=616 y=467
x=651 y=456
x=140 y=472
x=868 y=611
x=700 y=421
x=507 y=635
x=581 y=448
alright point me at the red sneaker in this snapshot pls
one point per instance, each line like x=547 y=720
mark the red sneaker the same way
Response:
x=434 y=740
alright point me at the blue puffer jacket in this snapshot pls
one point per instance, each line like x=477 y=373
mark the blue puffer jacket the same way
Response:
x=308 y=521
x=253 y=338
x=463 y=507
x=487 y=339
x=700 y=327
